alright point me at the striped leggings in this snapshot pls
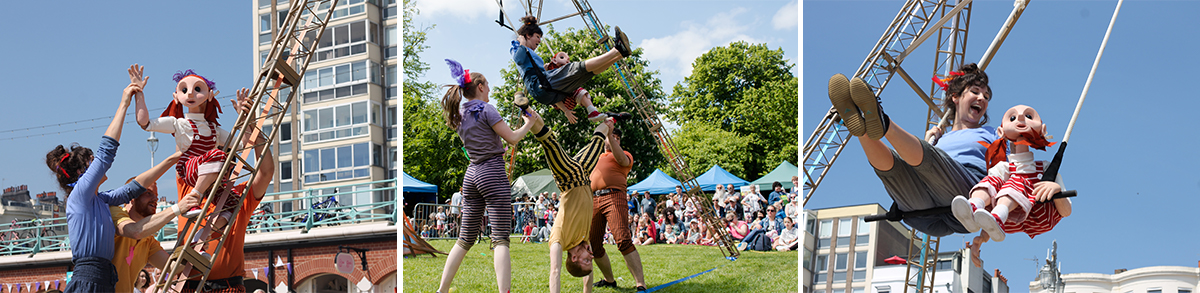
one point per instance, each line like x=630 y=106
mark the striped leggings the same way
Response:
x=571 y=172
x=485 y=185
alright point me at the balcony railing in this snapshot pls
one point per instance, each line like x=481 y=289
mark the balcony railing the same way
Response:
x=315 y=211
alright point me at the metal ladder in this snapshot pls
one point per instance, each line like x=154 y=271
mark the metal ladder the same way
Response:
x=291 y=51
x=645 y=108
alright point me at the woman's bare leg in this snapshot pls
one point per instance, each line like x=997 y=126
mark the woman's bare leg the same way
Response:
x=908 y=146
x=599 y=64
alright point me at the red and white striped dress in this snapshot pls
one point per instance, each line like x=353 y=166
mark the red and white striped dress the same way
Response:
x=202 y=157
x=1015 y=179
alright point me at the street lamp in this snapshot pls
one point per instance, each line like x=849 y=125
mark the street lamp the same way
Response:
x=153 y=145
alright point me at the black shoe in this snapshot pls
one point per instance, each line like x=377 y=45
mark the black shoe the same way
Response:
x=874 y=120
x=602 y=283
x=619 y=117
x=641 y=288
x=622 y=42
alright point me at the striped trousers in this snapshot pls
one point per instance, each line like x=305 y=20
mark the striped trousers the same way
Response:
x=485 y=186
x=571 y=172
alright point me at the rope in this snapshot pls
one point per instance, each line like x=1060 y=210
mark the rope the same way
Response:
x=664 y=286
x=1092 y=74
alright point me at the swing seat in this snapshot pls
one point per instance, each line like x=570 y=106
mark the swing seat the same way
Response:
x=895 y=214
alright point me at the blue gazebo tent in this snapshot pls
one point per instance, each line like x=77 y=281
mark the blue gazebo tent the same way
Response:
x=717 y=175
x=656 y=183
x=416 y=192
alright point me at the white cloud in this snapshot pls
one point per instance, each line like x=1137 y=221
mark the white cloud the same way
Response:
x=787 y=17
x=463 y=9
x=676 y=52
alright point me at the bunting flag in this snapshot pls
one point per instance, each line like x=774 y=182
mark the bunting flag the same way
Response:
x=279 y=261
x=255 y=271
x=289 y=266
x=265 y=271
x=56 y=284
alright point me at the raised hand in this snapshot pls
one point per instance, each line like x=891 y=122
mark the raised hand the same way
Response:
x=136 y=75
x=243 y=102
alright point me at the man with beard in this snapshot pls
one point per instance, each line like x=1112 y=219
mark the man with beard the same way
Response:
x=137 y=223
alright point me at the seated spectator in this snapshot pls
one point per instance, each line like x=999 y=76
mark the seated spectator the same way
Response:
x=652 y=228
x=671 y=235
x=788 y=239
x=737 y=229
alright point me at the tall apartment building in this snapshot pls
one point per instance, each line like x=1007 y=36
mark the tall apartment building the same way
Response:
x=341 y=130
x=845 y=254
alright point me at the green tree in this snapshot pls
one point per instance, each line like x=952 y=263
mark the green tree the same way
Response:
x=703 y=145
x=608 y=93
x=748 y=90
x=431 y=149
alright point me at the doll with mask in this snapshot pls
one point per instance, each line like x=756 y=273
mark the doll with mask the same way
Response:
x=1012 y=198
x=191 y=118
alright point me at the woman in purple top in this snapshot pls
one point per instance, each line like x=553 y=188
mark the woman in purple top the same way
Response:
x=485 y=184
x=915 y=173
x=80 y=172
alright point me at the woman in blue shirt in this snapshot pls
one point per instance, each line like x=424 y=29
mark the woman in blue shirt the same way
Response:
x=80 y=172
x=915 y=173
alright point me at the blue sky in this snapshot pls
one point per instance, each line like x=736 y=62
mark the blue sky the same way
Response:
x=466 y=31
x=69 y=64
x=1131 y=155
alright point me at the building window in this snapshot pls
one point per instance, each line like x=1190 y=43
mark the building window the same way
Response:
x=822 y=268
x=392 y=90
x=826 y=231
x=285 y=170
x=264 y=25
x=859 y=290
x=860 y=260
x=808 y=261
x=1154 y=291
x=944 y=265
x=336 y=122
x=344 y=40
x=389 y=42
x=839 y=261
x=1185 y=290
x=391 y=122
x=860 y=275
x=337 y=163
x=843 y=239
x=345 y=8
x=339 y=81
x=390 y=11
x=864 y=233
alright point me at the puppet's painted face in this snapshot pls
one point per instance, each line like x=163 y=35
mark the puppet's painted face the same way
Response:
x=1021 y=119
x=561 y=59
x=193 y=93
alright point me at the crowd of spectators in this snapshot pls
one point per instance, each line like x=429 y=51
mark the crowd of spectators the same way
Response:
x=754 y=220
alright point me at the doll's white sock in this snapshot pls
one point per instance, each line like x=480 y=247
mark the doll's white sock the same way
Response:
x=591 y=109
x=978 y=202
x=1001 y=211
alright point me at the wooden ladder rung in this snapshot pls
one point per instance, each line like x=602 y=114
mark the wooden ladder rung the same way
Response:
x=290 y=77
x=198 y=261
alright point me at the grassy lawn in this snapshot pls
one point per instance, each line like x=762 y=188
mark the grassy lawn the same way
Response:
x=754 y=271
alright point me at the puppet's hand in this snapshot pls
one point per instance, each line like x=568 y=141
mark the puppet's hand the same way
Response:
x=243 y=103
x=135 y=76
x=1045 y=190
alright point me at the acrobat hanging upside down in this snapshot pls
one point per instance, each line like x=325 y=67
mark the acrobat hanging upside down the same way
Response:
x=1012 y=198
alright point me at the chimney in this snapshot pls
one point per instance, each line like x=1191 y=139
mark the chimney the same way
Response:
x=1118 y=271
x=1001 y=277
